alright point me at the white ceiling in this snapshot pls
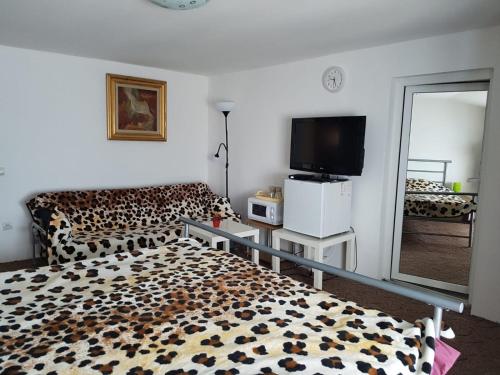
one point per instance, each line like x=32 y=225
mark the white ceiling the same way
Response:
x=230 y=35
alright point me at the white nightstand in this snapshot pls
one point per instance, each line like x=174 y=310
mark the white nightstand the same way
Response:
x=229 y=226
x=314 y=248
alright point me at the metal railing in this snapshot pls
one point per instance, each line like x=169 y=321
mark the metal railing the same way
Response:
x=442 y=172
x=439 y=302
x=422 y=192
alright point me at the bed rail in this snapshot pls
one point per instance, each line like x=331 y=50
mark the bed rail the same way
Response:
x=421 y=192
x=439 y=302
x=443 y=171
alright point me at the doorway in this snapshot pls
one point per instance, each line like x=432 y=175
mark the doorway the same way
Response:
x=438 y=184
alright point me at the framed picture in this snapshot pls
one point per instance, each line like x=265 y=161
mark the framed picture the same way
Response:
x=136 y=108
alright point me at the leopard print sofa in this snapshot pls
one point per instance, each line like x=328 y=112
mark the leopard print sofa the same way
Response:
x=78 y=225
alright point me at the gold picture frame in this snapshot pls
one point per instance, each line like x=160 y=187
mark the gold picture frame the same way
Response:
x=136 y=108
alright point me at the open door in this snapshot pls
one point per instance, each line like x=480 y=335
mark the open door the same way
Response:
x=438 y=184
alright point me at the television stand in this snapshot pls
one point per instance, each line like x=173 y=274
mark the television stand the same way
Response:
x=315 y=178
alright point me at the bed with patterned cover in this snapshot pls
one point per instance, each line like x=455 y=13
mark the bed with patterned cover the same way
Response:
x=434 y=205
x=78 y=225
x=188 y=309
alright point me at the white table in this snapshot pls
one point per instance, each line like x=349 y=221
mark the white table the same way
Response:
x=314 y=249
x=229 y=226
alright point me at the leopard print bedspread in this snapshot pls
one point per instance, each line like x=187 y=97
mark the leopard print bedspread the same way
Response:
x=87 y=224
x=434 y=205
x=187 y=309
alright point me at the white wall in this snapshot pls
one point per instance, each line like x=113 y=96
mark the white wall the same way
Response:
x=53 y=134
x=268 y=98
x=447 y=128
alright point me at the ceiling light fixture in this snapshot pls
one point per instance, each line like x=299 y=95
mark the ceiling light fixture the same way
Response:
x=180 y=4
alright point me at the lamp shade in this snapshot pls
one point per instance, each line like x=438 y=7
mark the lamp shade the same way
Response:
x=225 y=106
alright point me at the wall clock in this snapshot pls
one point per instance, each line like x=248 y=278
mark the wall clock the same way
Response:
x=333 y=78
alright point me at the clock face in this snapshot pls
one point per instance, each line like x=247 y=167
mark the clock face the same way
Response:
x=333 y=78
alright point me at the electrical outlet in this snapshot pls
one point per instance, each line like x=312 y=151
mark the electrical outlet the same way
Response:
x=6 y=226
x=2 y=171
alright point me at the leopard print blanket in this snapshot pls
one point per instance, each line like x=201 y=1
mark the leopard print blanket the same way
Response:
x=434 y=205
x=187 y=309
x=80 y=225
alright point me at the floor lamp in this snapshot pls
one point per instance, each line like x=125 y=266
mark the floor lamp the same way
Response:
x=225 y=107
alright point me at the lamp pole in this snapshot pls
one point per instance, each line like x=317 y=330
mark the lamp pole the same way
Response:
x=225 y=107
x=226 y=113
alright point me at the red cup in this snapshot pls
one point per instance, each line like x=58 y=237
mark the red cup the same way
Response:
x=216 y=221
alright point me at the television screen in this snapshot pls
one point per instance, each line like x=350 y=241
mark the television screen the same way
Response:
x=329 y=145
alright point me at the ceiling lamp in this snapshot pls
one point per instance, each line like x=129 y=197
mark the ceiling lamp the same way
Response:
x=180 y=4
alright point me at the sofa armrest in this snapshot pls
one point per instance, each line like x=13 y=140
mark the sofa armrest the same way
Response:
x=52 y=228
x=58 y=229
x=41 y=217
x=222 y=206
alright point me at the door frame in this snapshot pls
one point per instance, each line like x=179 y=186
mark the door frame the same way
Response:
x=392 y=157
x=410 y=91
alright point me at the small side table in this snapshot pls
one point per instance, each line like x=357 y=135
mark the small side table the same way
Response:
x=314 y=248
x=267 y=228
x=230 y=226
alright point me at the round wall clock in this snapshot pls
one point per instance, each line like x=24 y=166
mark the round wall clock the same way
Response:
x=333 y=78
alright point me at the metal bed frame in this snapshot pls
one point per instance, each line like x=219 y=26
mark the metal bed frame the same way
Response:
x=467 y=219
x=439 y=161
x=439 y=302
x=36 y=231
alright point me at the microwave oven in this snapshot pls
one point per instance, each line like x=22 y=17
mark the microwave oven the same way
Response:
x=269 y=212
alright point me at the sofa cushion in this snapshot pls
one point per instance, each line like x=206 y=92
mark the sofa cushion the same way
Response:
x=105 y=242
x=86 y=245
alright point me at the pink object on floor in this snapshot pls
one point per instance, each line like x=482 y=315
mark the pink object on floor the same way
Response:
x=445 y=358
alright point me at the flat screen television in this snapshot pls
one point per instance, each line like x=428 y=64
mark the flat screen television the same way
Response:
x=328 y=145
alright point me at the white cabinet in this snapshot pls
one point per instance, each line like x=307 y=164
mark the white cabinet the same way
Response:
x=318 y=209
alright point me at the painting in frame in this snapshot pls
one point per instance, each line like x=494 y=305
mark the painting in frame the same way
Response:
x=136 y=108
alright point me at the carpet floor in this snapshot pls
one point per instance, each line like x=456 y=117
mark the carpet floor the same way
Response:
x=436 y=257
x=477 y=339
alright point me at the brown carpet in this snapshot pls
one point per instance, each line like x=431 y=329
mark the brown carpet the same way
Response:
x=435 y=257
x=477 y=339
